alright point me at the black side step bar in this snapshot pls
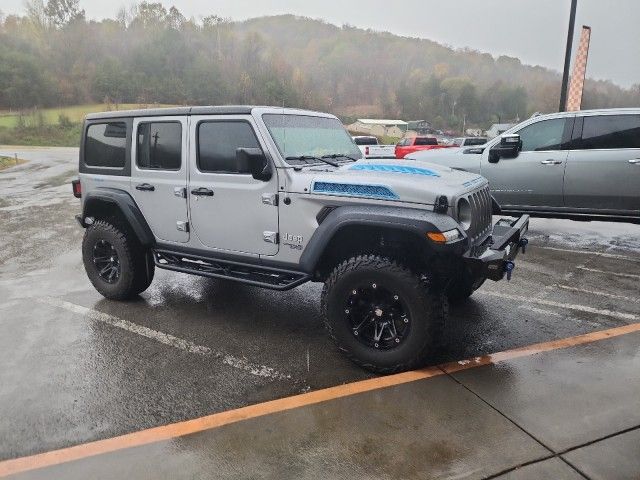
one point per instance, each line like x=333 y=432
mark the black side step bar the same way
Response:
x=261 y=276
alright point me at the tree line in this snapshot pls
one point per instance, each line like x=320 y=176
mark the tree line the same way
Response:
x=54 y=56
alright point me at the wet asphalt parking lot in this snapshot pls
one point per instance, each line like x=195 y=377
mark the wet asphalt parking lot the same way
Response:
x=75 y=367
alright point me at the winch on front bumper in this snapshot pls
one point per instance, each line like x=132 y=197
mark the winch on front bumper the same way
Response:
x=495 y=257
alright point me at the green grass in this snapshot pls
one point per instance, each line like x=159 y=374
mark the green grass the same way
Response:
x=389 y=140
x=46 y=136
x=6 y=162
x=43 y=127
x=50 y=116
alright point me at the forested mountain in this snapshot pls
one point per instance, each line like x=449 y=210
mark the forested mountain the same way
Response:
x=54 y=56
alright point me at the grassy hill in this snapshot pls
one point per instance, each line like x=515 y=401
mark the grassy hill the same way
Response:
x=51 y=116
x=157 y=56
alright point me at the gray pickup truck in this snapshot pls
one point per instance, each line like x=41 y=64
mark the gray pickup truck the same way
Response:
x=582 y=165
x=275 y=197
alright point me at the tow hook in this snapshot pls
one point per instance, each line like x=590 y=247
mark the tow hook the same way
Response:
x=508 y=268
x=523 y=244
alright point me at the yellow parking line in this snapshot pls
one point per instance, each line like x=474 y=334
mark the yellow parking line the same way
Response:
x=166 y=432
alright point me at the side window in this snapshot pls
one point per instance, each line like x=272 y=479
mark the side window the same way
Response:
x=544 y=135
x=106 y=145
x=159 y=145
x=218 y=142
x=610 y=131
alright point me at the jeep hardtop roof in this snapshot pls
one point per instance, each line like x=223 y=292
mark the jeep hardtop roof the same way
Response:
x=195 y=110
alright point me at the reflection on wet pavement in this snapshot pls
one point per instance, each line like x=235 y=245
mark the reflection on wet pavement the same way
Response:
x=95 y=369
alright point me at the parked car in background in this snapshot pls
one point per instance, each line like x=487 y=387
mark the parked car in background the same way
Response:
x=370 y=148
x=581 y=165
x=468 y=141
x=414 y=144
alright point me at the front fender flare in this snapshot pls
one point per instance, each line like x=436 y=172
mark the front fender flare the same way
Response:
x=410 y=220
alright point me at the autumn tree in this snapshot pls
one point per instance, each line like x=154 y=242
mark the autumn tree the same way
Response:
x=62 y=12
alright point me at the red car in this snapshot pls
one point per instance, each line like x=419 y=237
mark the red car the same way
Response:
x=415 y=144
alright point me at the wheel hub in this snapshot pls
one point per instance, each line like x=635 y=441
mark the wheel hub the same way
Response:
x=106 y=261
x=377 y=316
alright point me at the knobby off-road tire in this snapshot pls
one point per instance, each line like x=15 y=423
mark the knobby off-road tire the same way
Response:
x=463 y=287
x=116 y=264
x=395 y=294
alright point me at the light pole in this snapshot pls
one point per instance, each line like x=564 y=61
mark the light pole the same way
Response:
x=567 y=57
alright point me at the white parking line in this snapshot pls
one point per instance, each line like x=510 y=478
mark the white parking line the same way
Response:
x=542 y=311
x=590 y=252
x=596 y=292
x=580 y=308
x=616 y=274
x=167 y=339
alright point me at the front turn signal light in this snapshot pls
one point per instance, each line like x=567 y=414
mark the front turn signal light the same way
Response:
x=444 y=237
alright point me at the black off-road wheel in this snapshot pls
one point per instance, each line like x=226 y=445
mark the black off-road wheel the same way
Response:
x=463 y=287
x=382 y=315
x=116 y=264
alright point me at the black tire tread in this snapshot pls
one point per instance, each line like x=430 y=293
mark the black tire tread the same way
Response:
x=133 y=260
x=435 y=303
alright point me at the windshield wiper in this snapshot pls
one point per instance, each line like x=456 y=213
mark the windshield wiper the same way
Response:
x=340 y=155
x=311 y=157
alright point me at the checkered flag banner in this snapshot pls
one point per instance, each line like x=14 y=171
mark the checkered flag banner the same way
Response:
x=574 y=99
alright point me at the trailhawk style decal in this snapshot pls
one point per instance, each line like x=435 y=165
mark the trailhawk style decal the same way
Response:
x=395 y=169
x=354 y=190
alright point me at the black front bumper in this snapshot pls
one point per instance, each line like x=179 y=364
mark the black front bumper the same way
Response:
x=495 y=258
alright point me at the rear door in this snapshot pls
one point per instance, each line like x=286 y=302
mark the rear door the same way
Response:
x=159 y=175
x=534 y=179
x=603 y=169
x=230 y=210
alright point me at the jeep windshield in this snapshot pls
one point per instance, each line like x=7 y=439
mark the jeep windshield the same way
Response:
x=309 y=140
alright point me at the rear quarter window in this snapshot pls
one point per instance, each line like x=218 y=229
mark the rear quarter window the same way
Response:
x=105 y=145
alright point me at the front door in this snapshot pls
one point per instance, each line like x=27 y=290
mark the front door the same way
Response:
x=603 y=169
x=230 y=210
x=534 y=179
x=159 y=175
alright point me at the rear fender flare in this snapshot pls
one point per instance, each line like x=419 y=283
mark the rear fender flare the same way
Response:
x=114 y=198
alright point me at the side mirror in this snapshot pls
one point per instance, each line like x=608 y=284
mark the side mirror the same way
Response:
x=509 y=147
x=253 y=161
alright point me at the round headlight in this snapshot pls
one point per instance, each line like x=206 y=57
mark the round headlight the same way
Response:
x=464 y=213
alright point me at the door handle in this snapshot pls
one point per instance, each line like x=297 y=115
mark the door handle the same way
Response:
x=635 y=161
x=145 y=187
x=202 y=192
x=551 y=162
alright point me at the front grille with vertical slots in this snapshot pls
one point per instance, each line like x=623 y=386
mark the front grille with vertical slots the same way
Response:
x=481 y=215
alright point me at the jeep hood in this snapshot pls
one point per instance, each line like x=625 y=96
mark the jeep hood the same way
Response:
x=394 y=180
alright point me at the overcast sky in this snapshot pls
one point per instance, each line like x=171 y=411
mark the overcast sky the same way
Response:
x=532 y=30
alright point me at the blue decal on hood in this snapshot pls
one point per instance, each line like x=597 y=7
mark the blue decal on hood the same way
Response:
x=353 y=190
x=473 y=181
x=394 y=169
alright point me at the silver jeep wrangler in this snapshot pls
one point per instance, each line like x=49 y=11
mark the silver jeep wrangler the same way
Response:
x=275 y=197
